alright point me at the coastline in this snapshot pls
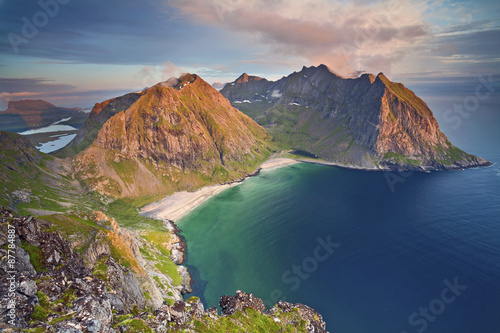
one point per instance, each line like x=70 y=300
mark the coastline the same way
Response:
x=426 y=169
x=175 y=206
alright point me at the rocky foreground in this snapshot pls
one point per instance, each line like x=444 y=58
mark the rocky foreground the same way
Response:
x=47 y=286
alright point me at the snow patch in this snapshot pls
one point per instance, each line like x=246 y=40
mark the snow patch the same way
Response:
x=276 y=94
x=297 y=104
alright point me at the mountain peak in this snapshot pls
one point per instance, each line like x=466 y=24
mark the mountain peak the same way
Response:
x=178 y=83
x=247 y=78
x=368 y=76
x=179 y=134
x=382 y=77
x=322 y=68
x=368 y=122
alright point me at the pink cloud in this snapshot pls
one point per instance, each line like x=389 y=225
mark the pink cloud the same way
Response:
x=348 y=38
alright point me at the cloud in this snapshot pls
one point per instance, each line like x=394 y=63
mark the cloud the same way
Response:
x=9 y=96
x=150 y=75
x=32 y=85
x=12 y=89
x=347 y=37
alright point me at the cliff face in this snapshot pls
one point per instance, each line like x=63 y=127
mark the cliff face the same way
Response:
x=179 y=134
x=368 y=122
x=100 y=113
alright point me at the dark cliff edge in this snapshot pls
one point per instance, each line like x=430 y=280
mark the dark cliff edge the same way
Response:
x=368 y=123
x=47 y=286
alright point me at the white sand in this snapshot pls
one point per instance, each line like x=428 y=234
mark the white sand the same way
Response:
x=179 y=204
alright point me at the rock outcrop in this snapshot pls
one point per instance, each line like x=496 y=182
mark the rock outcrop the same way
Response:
x=46 y=286
x=368 y=122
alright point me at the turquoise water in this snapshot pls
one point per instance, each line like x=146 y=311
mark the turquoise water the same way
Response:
x=393 y=253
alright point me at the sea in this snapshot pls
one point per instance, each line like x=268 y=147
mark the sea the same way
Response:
x=373 y=252
x=55 y=140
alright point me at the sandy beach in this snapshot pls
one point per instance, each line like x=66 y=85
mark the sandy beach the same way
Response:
x=179 y=204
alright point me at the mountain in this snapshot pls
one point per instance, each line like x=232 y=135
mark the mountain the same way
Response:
x=179 y=134
x=27 y=114
x=100 y=113
x=34 y=182
x=218 y=85
x=368 y=122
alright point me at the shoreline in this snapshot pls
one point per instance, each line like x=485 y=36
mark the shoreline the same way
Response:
x=427 y=169
x=177 y=205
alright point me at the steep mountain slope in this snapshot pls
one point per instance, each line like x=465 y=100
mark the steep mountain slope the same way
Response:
x=100 y=113
x=368 y=122
x=32 y=182
x=180 y=134
x=26 y=114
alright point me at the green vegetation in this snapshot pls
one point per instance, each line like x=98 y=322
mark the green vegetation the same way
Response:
x=39 y=314
x=401 y=159
x=135 y=326
x=68 y=298
x=62 y=318
x=101 y=269
x=451 y=154
x=252 y=321
x=168 y=267
x=36 y=255
x=46 y=307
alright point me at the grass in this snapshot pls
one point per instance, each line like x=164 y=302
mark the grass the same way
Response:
x=251 y=320
x=451 y=154
x=39 y=314
x=135 y=326
x=401 y=159
x=159 y=239
x=101 y=269
x=168 y=267
x=36 y=255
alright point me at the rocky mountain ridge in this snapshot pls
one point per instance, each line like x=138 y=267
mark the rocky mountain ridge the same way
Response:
x=178 y=134
x=368 y=122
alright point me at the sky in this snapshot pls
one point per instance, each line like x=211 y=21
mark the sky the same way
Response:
x=81 y=52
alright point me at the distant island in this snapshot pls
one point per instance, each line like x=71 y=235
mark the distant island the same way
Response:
x=29 y=114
